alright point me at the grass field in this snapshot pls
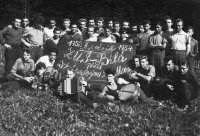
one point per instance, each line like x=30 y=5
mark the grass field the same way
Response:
x=31 y=113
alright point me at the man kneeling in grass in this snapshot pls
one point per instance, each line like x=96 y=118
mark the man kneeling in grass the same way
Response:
x=122 y=89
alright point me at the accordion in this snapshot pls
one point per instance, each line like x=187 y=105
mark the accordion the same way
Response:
x=69 y=86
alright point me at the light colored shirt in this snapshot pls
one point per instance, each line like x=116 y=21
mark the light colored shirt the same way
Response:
x=109 y=39
x=157 y=39
x=23 y=68
x=46 y=61
x=33 y=36
x=48 y=32
x=179 y=41
x=144 y=39
x=93 y=38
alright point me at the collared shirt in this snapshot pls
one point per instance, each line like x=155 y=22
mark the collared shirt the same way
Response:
x=46 y=61
x=109 y=39
x=48 y=32
x=23 y=68
x=157 y=38
x=93 y=38
x=179 y=41
x=144 y=39
x=193 y=47
x=33 y=36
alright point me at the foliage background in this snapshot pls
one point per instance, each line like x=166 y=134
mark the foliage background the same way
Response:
x=133 y=10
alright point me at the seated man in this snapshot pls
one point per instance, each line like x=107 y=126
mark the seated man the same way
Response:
x=76 y=89
x=187 y=86
x=21 y=69
x=43 y=77
x=144 y=75
x=124 y=90
x=49 y=60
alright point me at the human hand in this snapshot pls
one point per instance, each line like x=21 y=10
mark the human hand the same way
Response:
x=28 y=79
x=131 y=41
x=8 y=46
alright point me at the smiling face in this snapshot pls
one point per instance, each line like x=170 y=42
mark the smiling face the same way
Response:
x=110 y=78
x=17 y=23
x=70 y=74
x=91 y=22
x=66 y=24
x=90 y=31
x=73 y=28
x=125 y=25
x=57 y=34
x=82 y=25
x=52 y=56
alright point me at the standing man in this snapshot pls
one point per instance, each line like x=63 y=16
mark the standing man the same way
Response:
x=116 y=31
x=66 y=26
x=193 y=49
x=99 y=29
x=82 y=26
x=74 y=35
x=168 y=31
x=179 y=42
x=48 y=31
x=12 y=43
x=144 y=38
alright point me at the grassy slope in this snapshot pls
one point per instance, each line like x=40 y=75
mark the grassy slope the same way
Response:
x=29 y=113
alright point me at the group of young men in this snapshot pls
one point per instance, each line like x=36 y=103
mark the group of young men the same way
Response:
x=34 y=49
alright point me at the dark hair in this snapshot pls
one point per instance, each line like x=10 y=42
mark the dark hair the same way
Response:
x=180 y=20
x=190 y=27
x=26 y=18
x=168 y=58
x=52 y=18
x=91 y=18
x=109 y=20
x=39 y=66
x=146 y=22
x=100 y=19
x=109 y=28
x=143 y=57
x=82 y=20
x=117 y=22
x=53 y=50
x=69 y=69
x=74 y=24
x=168 y=17
x=57 y=29
x=136 y=56
x=134 y=24
x=110 y=71
x=66 y=19
x=183 y=63
x=17 y=18
x=90 y=27
x=159 y=23
x=126 y=21
x=27 y=51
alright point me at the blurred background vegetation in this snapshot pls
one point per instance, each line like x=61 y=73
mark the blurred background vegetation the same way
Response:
x=132 y=10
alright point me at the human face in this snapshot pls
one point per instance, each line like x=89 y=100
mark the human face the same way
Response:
x=57 y=34
x=70 y=74
x=99 y=24
x=134 y=28
x=144 y=63
x=147 y=27
x=183 y=69
x=110 y=78
x=141 y=28
x=26 y=56
x=110 y=24
x=90 y=32
x=169 y=65
x=136 y=62
x=41 y=71
x=17 y=23
x=116 y=27
x=91 y=23
x=25 y=22
x=168 y=23
x=82 y=25
x=190 y=32
x=125 y=25
x=158 y=28
x=52 y=56
x=179 y=26
x=66 y=24
x=52 y=23
x=107 y=32
x=73 y=29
